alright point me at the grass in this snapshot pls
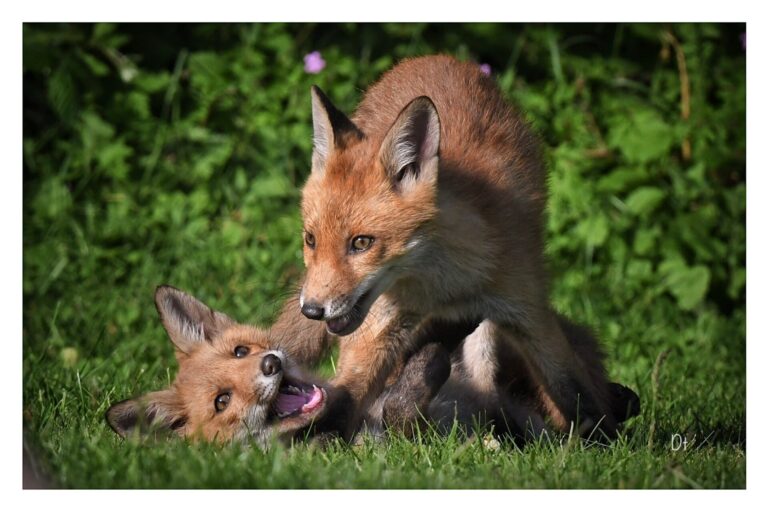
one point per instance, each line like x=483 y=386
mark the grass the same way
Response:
x=71 y=381
x=431 y=463
x=188 y=174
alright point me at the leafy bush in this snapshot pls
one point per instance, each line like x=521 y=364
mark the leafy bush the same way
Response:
x=151 y=129
x=648 y=172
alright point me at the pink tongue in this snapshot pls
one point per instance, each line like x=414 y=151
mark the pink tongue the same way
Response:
x=317 y=395
x=290 y=403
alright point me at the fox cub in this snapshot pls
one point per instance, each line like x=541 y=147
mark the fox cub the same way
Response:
x=232 y=383
x=428 y=205
x=236 y=383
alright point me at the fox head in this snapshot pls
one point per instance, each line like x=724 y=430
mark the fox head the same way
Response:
x=366 y=204
x=231 y=385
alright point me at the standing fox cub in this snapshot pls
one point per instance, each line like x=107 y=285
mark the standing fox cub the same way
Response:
x=428 y=205
x=238 y=382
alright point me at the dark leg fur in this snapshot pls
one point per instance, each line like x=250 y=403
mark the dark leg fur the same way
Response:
x=522 y=386
x=624 y=402
x=336 y=419
x=448 y=334
x=587 y=348
x=428 y=368
x=421 y=378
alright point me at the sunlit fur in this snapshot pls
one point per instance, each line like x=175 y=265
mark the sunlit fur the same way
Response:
x=348 y=201
x=462 y=241
x=209 y=367
x=426 y=386
x=212 y=369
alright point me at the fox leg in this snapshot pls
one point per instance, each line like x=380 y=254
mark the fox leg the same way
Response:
x=366 y=359
x=360 y=376
x=491 y=374
x=407 y=400
x=304 y=340
x=564 y=385
x=480 y=358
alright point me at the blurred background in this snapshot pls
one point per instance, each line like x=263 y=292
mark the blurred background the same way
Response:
x=175 y=153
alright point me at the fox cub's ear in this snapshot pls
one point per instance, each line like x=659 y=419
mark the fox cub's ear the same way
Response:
x=155 y=412
x=410 y=149
x=332 y=129
x=188 y=321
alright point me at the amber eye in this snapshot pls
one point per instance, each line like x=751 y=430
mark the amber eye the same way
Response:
x=309 y=239
x=361 y=243
x=241 y=351
x=222 y=401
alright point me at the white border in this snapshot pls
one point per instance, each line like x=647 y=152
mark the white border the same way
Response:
x=392 y=10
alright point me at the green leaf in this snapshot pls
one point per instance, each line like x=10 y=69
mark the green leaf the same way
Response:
x=232 y=233
x=113 y=159
x=623 y=178
x=96 y=66
x=61 y=92
x=271 y=185
x=103 y=30
x=645 y=240
x=53 y=200
x=106 y=35
x=152 y=82
x=738 y=280
x=687 y=284
x=644 y=200
x=639 y=270
x=593 y=230
x=641 y=135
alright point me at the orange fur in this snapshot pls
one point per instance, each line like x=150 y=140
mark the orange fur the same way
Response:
x=217 y=357
x=457 y=233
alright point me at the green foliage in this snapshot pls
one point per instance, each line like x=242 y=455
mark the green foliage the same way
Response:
x=619 y=163
x=175 y=154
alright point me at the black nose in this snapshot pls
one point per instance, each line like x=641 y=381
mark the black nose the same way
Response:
x=312 y=311
x=270 y=365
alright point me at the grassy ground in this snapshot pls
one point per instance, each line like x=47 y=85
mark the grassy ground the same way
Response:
x=152 y=158
x=68 y=388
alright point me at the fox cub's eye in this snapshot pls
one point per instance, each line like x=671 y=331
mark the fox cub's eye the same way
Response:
x=222 y=401
x=309 y=239
x=241 y=351
x=361 y=243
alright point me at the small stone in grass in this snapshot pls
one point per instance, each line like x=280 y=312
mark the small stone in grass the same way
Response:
x=69 y=356
x=491 y=443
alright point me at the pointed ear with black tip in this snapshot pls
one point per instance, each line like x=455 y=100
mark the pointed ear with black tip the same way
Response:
x=331 y=129
x=156 y=412
x=410 y=150
x=188 y=321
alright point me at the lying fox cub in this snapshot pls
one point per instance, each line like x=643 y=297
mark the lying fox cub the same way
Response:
x=234 y=384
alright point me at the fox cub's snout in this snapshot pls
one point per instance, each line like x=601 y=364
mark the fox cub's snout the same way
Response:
x=231 y=384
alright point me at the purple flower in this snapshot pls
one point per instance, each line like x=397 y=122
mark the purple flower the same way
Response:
x=485 y=69
x=313 y=63
x=743 y=38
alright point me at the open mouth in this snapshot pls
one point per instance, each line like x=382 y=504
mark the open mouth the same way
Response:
x=297 y=399
x=349 y=322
